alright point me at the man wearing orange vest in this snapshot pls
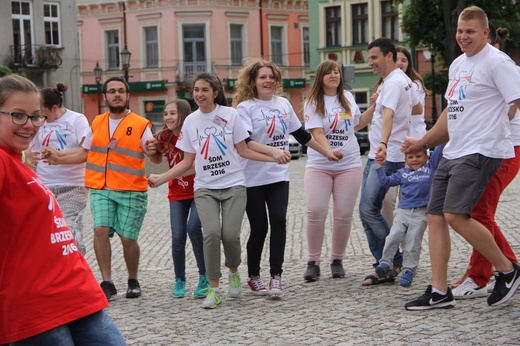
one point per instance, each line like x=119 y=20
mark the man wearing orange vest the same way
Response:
x=114 y=149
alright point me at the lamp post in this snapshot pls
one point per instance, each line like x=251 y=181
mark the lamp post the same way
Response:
x=98 y=71
x=125 y=58
x=431 y=58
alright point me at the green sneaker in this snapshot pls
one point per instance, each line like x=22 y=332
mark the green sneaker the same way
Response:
x=212 y=300
x=234 y=290
x=202 y=288
x=180 y=288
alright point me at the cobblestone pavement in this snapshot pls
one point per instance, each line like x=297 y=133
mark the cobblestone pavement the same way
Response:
x=326 y=312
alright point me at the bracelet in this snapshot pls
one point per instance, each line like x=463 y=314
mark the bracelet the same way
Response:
x=386 y=146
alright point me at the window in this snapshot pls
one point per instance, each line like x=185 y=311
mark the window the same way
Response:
x=235 y=31
x=112 y=39
x=389 y=20
x=194 y=43
x=360 y=23
x=22 y=32
x=306 y=47
x=151 y=46
x=333 y=25
x=276 y=45
x=51 y=22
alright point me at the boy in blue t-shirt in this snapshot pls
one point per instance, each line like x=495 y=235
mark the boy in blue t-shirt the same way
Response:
x=410 y=220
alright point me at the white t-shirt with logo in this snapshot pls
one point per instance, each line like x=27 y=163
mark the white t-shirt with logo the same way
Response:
x=338 y=126
x=270 y=122
x=515 y=126
x=212 y=137
x=417 y=124
x=479 y=93
x=397 y=93
x=64 y=133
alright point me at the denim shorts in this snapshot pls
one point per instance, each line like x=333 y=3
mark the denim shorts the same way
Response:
x=122 y=211
x=459 y=183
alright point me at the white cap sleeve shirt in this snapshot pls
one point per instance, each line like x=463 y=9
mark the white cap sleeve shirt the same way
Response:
x=270 y=122
x=212 y=138
x=65 y=133
x=338 y=126
x=417 y=124
x=397 y=93
x=479 y=92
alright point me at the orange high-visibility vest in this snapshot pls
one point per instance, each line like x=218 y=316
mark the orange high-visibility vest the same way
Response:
x=118 y=162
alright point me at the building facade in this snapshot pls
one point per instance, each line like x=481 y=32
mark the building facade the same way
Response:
x=170 y=41
x=40 y=41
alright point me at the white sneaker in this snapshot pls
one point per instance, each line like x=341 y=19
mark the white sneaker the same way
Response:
x=469 y=289
x=235 y=289
x=491 y=285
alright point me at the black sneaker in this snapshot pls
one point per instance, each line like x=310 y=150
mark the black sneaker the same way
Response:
x=505 y=286
x=336 y=267
x=134 y=290
x=431 y=300
x=313 y=271
x=108 y=288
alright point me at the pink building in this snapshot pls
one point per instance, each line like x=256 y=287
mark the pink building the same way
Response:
x=171 y=40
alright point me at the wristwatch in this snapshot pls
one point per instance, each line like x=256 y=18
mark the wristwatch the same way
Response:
x=425 y=147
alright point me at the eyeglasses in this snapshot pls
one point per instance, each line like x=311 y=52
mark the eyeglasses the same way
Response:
x=113 y=91
x=19 y=118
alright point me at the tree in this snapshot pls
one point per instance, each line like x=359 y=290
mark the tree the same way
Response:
x=433 y=23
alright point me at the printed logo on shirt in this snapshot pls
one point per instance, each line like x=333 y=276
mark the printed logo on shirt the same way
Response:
x=211 y=138
x=61 y=136
x=458 y=90
x=271 y=121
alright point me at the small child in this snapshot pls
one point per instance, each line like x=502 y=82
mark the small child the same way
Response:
x=410 y=218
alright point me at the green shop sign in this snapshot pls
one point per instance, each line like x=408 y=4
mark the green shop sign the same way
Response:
x=287 y=83
x=157 y=85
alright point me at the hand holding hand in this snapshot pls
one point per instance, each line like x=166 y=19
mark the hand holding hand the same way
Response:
x=410 y=144
x=151 y=146
x=332 y=156
x=338 y=154
x=381 y=152
x=155 y=180
x=281 y=156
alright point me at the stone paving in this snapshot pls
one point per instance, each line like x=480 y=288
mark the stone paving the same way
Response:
x=326 y=312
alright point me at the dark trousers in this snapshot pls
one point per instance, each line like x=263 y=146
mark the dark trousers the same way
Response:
x=267 y=203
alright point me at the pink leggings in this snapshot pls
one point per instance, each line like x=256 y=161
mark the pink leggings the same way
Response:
x=320 y=184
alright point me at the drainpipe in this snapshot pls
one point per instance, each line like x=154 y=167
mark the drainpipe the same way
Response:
x=261 y=31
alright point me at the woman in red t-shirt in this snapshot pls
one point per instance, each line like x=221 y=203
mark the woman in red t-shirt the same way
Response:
x=48 y=293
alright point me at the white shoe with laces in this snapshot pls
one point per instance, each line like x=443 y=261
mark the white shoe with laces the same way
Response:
x=275 y=286
x=469 y=289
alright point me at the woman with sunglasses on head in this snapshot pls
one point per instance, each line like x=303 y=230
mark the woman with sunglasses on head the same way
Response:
x=48 y=294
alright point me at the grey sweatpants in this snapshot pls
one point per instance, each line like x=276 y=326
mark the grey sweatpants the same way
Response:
x=409 y=225
x=221 y=213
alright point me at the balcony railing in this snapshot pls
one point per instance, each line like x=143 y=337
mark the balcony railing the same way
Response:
x=188 y=69
x=36 y=56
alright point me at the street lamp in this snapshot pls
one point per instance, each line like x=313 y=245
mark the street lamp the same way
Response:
x=431 y=58
x=125 y=58
x=98 y=71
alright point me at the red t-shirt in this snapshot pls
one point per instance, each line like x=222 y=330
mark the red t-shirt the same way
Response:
x=181 y=188
x=44 y=281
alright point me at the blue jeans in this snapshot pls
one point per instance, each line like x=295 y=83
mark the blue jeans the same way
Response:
x=184 y=221
x=370 y=204
x=91 y=330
